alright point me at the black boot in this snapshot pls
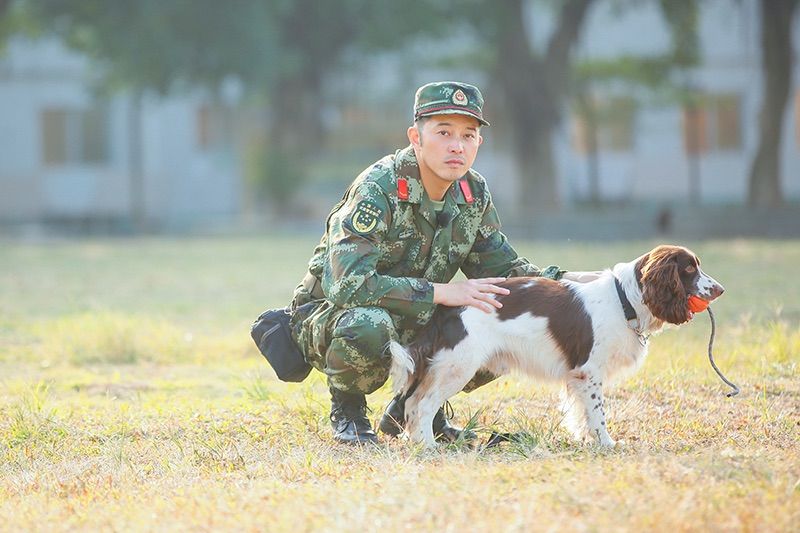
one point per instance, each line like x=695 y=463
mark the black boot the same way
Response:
x=446 y=432
x=349 y=418
x=394 y=419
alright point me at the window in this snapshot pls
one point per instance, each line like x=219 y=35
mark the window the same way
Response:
x=712 y=123
x=75 y=136
x=607 y=125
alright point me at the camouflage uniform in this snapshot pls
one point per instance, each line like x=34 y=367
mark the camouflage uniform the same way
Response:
x=370 y=278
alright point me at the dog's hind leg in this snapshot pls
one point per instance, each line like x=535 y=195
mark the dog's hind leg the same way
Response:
x=447 y=375
x=583 y=407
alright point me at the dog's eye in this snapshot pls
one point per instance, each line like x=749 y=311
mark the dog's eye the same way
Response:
x=690 y=269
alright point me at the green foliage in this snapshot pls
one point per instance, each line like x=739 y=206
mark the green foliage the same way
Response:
x=164 y=45
x=285 y=49
x=33 y=419
x=15 y=18
x=280 y=50
x=682 y=18
x=655 y=73
x=649 y=72
x=257 y=388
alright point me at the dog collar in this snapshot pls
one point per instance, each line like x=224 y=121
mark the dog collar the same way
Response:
x=630 y=312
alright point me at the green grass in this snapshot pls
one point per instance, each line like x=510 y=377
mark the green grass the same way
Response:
x=131 y=397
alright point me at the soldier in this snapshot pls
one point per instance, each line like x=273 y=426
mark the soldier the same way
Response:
x=391 y=247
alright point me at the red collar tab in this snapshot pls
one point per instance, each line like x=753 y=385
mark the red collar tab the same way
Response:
x=466 y=191
x=402 y=188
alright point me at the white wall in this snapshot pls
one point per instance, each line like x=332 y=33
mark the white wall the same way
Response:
x=182 y=181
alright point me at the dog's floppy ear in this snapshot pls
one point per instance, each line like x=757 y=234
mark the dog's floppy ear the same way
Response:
x=662 y=290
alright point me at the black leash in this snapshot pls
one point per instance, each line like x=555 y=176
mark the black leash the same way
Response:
x=711 y=356
x=497 y=437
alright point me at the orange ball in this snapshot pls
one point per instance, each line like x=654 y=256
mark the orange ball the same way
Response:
x=697 y=304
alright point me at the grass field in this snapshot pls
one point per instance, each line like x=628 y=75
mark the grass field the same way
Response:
x=132 y=398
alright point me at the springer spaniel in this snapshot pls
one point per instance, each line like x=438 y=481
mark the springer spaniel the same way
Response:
x=583 y=334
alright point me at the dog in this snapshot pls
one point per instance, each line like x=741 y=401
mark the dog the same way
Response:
x=582 y=334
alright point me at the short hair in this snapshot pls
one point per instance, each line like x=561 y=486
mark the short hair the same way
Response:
x=420 y=121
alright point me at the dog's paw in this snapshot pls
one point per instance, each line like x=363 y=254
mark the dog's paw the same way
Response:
x=610 y=444
x=603 y=440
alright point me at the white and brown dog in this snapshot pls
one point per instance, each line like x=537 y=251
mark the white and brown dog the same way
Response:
x=583 y=334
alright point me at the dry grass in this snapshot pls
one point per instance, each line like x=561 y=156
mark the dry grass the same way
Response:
x=131 y=398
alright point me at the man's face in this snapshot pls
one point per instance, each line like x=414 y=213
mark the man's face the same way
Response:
x=446 y=145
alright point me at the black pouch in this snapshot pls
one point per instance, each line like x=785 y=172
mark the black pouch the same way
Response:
x=273 y=337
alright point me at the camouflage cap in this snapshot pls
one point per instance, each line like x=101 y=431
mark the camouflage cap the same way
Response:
x=446 y=97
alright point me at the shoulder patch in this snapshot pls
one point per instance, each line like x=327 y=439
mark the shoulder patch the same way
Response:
x=365 y=217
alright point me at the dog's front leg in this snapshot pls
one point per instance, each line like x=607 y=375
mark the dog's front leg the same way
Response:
x=585 y=393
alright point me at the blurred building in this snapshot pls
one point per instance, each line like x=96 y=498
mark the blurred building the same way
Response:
x=643 y=147
x=650 y=147
x=68 y=155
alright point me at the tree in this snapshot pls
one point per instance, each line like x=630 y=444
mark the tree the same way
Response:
x=280 y=50
x=777 y=62
x=654 y=73
x=283 y=50
x=538 y=82
x=534 y=84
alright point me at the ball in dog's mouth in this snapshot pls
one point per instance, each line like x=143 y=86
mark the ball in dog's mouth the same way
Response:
x=697 y=304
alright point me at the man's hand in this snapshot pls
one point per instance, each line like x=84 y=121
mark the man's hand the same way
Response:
x=473 y=292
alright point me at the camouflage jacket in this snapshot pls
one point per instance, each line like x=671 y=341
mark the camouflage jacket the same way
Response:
x=384 y=244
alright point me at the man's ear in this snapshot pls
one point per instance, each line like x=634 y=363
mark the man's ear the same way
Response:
x=413 y=136
x=480 y=139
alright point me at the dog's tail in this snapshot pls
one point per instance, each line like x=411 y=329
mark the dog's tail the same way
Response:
x=403 y=367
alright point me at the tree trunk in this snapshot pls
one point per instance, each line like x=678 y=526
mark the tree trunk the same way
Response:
x=296 y=132
x=296 y=112
x=295 y=136
x=535 y=89
x=538 y=192
x=586 y=109
x=776 y=53
x=137 y=199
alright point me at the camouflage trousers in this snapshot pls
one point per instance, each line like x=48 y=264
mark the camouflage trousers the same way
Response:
x=351 y=346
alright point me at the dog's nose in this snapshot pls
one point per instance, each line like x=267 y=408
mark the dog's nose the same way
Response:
x=716 y=291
